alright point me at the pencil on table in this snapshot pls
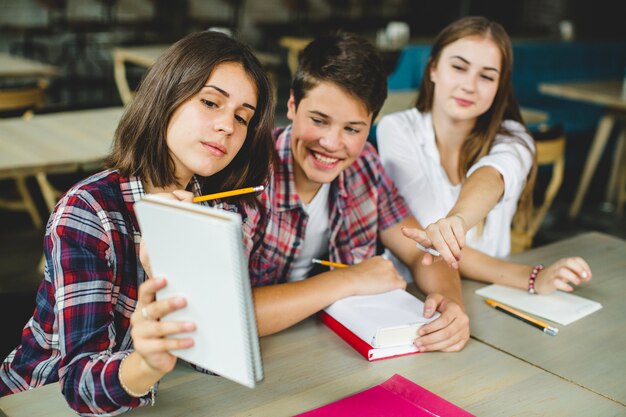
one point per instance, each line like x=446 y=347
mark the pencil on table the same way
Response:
x=545 y=327
x=328 y=263
x=225 y=194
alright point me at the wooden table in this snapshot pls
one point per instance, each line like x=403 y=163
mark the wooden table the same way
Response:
x=308 y=366
x=57 y=142
x=145 y=56
x=606 y=93
x=589 y=352
x=525 y=372
x=18 y=67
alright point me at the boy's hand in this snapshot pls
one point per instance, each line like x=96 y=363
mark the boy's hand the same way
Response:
x=449 y=332
x=373 y=276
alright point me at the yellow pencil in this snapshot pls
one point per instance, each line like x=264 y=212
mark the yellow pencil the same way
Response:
x=545 y=327
x=328 y=263
x=225 y=194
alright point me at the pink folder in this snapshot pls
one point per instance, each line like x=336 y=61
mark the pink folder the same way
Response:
x=396 y=397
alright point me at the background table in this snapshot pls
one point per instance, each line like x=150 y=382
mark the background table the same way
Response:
x=18 y=67
x=605 y=93
x=589 y=352
x=56 y=142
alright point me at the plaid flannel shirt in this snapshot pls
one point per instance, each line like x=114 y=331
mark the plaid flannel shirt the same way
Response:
x=363 y=201
x=80 y=330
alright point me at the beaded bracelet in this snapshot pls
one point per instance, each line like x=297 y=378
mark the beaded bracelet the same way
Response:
x=128 y=390
x=533 y=276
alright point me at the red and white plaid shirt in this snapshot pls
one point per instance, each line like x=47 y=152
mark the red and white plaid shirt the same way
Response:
x=363 y=201
x=80 y=330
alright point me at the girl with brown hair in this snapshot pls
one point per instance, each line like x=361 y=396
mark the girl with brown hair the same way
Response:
x=200 y=123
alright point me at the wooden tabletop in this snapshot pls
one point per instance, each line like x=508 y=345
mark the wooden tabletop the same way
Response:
x=18 y=67
x=57 y=141
x=605 y=93
x=308 y=366
x=518 y=371
x=589 y=352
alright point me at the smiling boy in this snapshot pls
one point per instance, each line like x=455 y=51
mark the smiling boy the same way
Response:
x=329 y=197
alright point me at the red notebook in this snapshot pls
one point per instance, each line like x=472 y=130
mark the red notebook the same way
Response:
x=365 y=349
x=396 y=397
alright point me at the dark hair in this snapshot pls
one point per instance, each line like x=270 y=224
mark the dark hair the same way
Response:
x=347 y=60
x=140 y=146
x=504 y=105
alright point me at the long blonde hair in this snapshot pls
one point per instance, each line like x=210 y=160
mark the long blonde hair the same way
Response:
x=504 y=106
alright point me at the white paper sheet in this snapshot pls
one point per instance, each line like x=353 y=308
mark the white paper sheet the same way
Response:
x=559 y=307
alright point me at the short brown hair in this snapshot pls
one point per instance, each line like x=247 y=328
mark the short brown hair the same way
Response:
x=140 y=146
x=347 y=60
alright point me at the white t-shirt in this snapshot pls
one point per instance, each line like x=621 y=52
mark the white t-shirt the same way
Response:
x=406 y=143
x=316 y=236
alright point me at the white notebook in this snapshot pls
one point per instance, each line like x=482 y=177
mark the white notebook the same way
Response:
x=199 y=250
x=382 y=320
x=559 y=307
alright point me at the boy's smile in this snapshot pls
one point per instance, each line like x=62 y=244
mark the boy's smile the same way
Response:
x=330 y=128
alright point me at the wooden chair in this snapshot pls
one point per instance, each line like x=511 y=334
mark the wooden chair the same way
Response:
x=23 y=100
x=616 y=187
x=550 y=152
x=621 y=176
